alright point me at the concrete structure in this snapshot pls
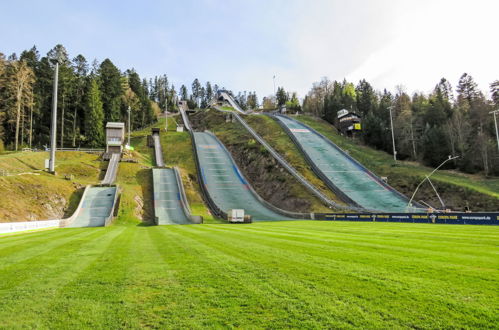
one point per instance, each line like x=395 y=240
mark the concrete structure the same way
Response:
x=115 y=137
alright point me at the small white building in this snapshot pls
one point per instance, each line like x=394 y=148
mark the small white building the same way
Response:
x=115 y=137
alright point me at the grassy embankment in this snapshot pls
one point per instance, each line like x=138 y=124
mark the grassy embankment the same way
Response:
x=267 y=275
x=33 y=194
x=405 y=175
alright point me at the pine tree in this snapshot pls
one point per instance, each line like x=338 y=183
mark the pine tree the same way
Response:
x=183 y=93
x=111 y=91
x=281 y=96
x=494 y=92
x=94 y=117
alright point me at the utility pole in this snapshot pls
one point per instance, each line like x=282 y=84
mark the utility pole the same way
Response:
x=495 y=122
x=129 y=110
x=53 y=126
x=274 y=84
x=393 y=134
x=166 y=115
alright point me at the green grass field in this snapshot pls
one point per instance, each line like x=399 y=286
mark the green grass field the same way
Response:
x=267 y=275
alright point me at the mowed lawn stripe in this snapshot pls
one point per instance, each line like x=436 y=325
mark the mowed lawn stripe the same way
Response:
x=471 y=247
x=429 y=232
x=480 y=255
x=226 y=290
x=18 y=244
x=30 y=253
x=151 y=283
x=262 y=287
x=363 y=266
x=93 y=298
x=31 y=285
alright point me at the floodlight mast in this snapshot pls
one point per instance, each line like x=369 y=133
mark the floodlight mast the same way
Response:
x=129 y=110
x=53 y=126
x=495 y=122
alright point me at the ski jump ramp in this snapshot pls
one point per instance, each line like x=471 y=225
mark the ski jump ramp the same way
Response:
x=342 y=173
x=226 y=186
x=232 y=102
x=170 y=203
x=96 y=208
x=112 y=169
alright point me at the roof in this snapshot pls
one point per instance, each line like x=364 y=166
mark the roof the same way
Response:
x=115 y=125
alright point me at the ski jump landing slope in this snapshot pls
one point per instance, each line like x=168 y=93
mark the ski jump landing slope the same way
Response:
x=224 y=182
x=170 y=203
x=96 y=208
x=342 y=172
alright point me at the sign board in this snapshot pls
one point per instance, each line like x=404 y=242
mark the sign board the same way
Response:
x=357 y=126
x=237 y=215
x=180 y=128
x=47 y=164
x=342 y=113
x=299 y=130
x=448 y=218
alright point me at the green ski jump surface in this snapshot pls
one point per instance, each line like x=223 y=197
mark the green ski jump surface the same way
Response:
x=358 y=184
x=96 y=207
x=167 y=200
x=225 y=183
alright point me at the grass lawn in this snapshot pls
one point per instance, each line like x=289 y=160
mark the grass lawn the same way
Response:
x=267 y=275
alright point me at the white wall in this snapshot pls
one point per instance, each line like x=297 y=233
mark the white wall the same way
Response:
x=12 y=227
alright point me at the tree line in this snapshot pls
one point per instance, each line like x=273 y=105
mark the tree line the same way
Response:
x=427 y=128
x=89 y=96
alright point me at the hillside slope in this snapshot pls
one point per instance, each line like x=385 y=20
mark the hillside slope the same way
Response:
x=30 y=193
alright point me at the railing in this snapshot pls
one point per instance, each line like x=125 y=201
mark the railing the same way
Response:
x=93 y=150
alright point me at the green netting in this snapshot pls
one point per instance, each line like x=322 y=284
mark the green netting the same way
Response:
x=345 y=174
x=224 y=182
x=96 y=207
x=167 y=203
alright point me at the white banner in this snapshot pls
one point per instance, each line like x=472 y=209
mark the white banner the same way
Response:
x=12 y=227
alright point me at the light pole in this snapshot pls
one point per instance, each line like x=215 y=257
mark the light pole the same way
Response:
x=393 y=134
x=428 y=178
x=166 y=114
x=495 y=122
x=129 y=110
x=274 y=83
x=53 y=125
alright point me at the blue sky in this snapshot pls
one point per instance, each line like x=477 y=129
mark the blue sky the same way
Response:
x=242 y=44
